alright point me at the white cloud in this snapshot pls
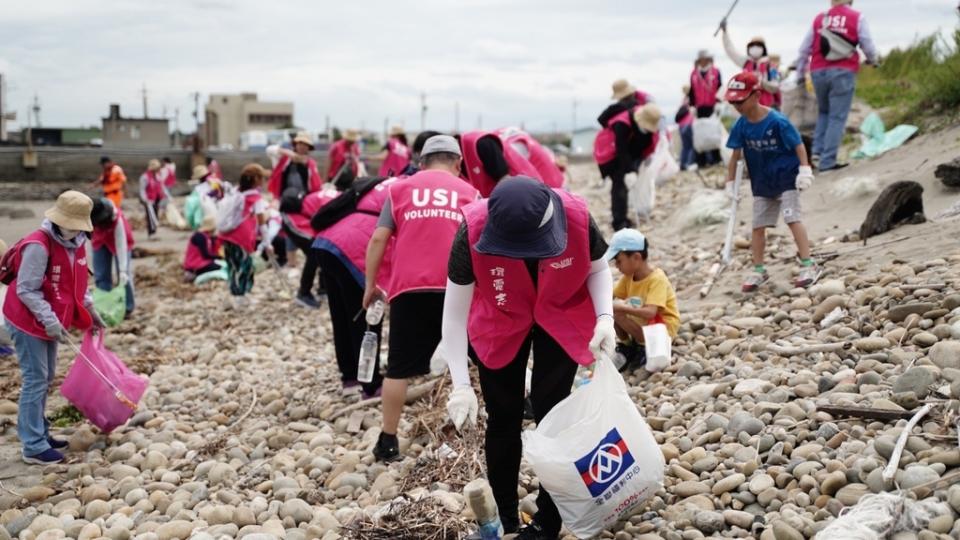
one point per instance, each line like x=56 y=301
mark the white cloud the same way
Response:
x=360 y=62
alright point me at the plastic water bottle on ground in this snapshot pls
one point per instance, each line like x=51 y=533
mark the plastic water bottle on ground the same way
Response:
x=375 y=313
x=368 y=357
x=480 y=499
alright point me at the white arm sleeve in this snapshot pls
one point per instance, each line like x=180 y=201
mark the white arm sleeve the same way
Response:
x=456 y=308
x=120 y=241
x=735 y=56
x=600 y=285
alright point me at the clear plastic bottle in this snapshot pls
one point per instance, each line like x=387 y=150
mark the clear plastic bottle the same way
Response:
x=375 y=313
x=368 y=357
x=583 y=377
x=480 y=498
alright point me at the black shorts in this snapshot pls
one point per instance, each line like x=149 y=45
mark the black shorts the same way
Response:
x=415 y=329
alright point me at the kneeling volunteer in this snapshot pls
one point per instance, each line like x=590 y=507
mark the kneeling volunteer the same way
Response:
x=526 y=270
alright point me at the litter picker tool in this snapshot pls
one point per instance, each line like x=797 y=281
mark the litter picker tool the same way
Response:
x=726 y=256
x=276 y=268
x=729 y=11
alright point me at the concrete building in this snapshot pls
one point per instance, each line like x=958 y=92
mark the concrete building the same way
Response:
x=5 y=115
x=54 y=136
x=120 y=132
x=229 y=115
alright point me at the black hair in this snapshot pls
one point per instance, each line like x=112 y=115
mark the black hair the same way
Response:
x=422 y=139
x=248 y=181
x=105 y=159
x=402 y=137
x=447 y=158
x=166 y=159
x=209 y=159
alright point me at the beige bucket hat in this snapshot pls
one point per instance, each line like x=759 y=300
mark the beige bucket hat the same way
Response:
x=199 y=172
x=72 y=211
x=303 y=137
x=622 y=89
x=396 y=130
x=648 y=117
x=351 y=135
x=153 y=165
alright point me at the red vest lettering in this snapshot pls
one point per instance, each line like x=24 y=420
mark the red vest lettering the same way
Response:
x=426 y=211
x=506 y=304
x=843 y=21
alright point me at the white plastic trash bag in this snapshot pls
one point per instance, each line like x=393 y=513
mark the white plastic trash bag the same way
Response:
x=595 y=454
x=642 y=192
x=662 y=162
x=658 y=344
x=707 y=134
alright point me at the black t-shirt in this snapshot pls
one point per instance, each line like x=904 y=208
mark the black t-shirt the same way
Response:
x=460 y=265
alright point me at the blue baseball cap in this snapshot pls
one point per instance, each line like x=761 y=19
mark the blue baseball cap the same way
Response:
x=625 y=240
x=525 y=220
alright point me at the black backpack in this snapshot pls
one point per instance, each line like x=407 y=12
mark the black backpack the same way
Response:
x=345 y=203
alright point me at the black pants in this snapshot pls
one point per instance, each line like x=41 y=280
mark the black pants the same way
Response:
x=618 y=193
x=152 y=210
x=503 y=395
x=712 y=157
x=345 y=298
x=311 y=266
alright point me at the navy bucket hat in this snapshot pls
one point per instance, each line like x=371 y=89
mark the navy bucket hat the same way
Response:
x=525 y=220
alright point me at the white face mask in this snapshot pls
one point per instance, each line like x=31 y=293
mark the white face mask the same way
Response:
x=755 y=52
x=68 y=234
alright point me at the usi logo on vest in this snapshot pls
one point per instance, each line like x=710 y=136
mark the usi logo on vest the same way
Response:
x=436 y=203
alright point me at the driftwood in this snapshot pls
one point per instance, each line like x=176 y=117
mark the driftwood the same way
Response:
x=867 y=413
x=809 y=349
x=413 y=394
x=901 y=202
x=925 y=490
x=891 y=469
x=711 y=279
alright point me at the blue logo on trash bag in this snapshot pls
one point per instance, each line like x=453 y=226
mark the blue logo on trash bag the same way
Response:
x=605 y=464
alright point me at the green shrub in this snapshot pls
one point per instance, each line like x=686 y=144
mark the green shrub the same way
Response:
x=915 y=82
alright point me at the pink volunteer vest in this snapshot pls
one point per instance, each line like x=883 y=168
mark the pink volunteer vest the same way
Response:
x=705 y=88
x=845 y=21
x=351 y=234
x=338 y=155
x=506 y=305
x=154 y=189
x=605 y=143
x=473 y=167
x=106 y=236
x=193 y=259
x=63 y=287
x=426 y=211
x=276 y=176
x=762 y=71
x=539 y=157
x=398 y=157
x=245 y=235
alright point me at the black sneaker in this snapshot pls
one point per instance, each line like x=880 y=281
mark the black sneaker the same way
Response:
x=528 y=410
x=634 y=356
x=47 y=457
x=57 y=443
x=835 y=167
x=307 y=301
x=386 y=450
x=534 y=531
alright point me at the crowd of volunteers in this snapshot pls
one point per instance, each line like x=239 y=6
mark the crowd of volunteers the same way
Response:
x=482 y=257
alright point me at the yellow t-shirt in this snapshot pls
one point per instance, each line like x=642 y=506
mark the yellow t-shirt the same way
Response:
x=655 y=290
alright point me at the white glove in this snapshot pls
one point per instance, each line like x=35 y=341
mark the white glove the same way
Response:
x=631 y=179
x=462 y=407
x=804 y=178
x=97 y=320
x=124 y=279
x=604 y=337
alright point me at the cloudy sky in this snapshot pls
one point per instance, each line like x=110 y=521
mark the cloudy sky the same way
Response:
x=361 y=62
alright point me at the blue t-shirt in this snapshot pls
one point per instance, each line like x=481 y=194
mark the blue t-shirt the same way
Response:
x=769 y=147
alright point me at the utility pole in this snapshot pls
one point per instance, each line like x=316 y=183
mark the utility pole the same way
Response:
x=176 y=127
x=196 y=110
x=386 y=128
x=479 y=121
x=326 y=127
x=423 y=111
x=36 y=109
x=144 y=94
x=456 y=117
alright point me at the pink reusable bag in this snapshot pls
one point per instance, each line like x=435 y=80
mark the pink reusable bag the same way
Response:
x=101 y=386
